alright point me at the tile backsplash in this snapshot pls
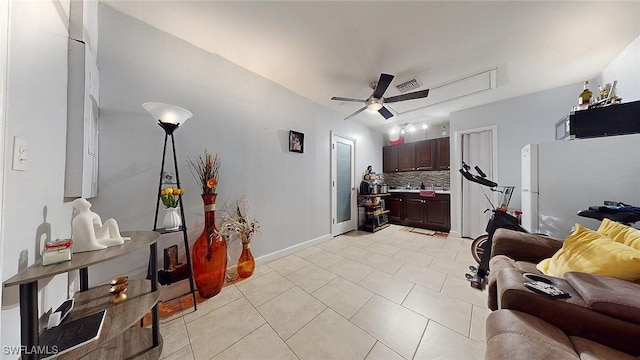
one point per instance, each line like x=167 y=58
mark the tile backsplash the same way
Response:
x=439 y=179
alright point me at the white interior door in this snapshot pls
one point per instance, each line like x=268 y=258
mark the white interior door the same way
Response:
x=477 y=150
x=343 y=188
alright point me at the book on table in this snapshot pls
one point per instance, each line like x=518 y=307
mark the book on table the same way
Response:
x=71 y=335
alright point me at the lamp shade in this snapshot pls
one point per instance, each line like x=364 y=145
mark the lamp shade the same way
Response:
x=168 y=114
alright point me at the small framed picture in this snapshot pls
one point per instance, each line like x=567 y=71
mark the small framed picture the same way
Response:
x=296 y=141
x=168 y=177
x=171 y=258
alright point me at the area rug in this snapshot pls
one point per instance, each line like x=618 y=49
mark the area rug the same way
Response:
x=441 y=234
x=423 y=231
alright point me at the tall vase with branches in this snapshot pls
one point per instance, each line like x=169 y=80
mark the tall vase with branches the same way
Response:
x=210 y=249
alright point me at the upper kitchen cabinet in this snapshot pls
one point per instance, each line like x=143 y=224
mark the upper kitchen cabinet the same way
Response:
x=390 y=159
x=442 y=151
x=424 y=155
x=406 y=157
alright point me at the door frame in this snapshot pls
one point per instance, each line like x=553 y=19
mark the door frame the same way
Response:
x=457 y=177
x=332 y=184
x=4 y=87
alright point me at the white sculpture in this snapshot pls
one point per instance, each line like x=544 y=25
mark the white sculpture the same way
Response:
x=88 y=231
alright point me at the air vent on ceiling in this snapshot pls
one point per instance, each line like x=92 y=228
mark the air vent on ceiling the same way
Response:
x=408 y=85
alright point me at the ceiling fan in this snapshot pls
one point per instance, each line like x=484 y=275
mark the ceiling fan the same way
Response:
x=376 y=102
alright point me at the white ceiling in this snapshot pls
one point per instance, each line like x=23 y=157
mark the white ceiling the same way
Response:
x=333 y=48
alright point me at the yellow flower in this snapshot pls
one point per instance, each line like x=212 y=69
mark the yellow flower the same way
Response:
x=177 y=191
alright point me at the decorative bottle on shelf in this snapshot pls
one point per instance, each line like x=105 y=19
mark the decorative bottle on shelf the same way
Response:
x=584 y=100
x=209 y=253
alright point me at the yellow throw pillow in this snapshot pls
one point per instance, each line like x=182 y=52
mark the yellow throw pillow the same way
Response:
x=588 y=251
x=620 y=233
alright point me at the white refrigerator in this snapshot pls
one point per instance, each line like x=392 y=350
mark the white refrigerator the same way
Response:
x=560 y=178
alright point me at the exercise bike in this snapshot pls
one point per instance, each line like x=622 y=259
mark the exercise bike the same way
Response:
x=481 y=246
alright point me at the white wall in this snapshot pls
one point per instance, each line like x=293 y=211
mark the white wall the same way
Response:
x=36 y=111
x=520 y=121
x=237 y=114
x=625 y=68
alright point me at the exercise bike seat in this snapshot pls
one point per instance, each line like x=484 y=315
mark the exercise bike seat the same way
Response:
x=603 y=212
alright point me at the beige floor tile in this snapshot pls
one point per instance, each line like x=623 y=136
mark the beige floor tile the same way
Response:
x=408 y=244
x=383 y=249
x=465 y=257
x=288 y=264
x=290 y=311
x=413 y=257
x=219 y=329
x=361 y=242
x=311 y=278
x=381 y=352
x=343 y=296
x=478 y=323
x=265 y=288
x=261 y=269
x=228 y=294
x=456 y=244
x=263 y=344
x=430 y=242
x=334 y=245
x=449 y=267
x=304 y=253
x=384 y=263
x=422 y=275
x=439 y=342
x=355 y=253
x=452 y=313
x=182 y=354
x=329 y=336
x=397 y=327
x=446 y=254
x=324 y=259
x=389 y=286
x=351 y=270
x=174 y=336
x=461 y=289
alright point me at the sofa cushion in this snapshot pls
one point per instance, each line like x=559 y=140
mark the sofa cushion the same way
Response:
x=590 y=350
x=620 y=233
x=499 y=263
x=608 y=295
x=588 y=251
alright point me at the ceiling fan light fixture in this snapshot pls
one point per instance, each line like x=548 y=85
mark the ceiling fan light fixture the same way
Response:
x=374 y=105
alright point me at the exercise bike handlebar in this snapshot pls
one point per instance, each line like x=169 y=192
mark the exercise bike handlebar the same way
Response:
x=479 y=179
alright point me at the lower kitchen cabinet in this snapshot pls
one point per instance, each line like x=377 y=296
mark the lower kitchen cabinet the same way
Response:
x=411 y=209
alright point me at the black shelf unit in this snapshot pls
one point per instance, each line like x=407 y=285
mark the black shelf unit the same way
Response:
x=375 y=215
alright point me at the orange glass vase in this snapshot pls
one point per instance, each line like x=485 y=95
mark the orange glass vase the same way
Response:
x=209 y=255
x=246 y=263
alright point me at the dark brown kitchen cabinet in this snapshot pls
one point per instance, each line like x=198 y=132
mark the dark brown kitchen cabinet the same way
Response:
x=438 y=213
x=414 y=213
x=395 y=204
x=406 y=157
x=390 y=159
x=424 y=155
x=442 y=153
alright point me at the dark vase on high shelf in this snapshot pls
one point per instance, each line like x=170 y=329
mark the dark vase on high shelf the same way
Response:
x=209 y=253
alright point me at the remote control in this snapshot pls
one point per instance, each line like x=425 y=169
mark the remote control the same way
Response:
x=547 y=289
x=61 y=312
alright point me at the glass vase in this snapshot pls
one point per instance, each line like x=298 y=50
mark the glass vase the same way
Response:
x=209 y=255
x=246 y=263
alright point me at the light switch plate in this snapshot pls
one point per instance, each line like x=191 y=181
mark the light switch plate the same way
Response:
x=19 y=162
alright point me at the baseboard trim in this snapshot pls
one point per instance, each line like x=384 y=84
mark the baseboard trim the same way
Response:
x=291 y=249
x=454 y=233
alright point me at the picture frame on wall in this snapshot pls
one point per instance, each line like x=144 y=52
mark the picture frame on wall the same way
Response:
x=296 y=141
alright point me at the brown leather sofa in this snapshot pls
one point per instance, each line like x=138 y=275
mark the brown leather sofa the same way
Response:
x=513 y=335
x=600 y=309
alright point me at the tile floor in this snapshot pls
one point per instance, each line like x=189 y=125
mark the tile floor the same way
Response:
x=390 y=295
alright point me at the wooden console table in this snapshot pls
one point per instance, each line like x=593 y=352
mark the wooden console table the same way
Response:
x=118 y=339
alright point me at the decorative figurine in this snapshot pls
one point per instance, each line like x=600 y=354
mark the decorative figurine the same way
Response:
x=88 y=231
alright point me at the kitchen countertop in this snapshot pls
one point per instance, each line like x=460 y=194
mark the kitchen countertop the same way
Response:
x=418 y=190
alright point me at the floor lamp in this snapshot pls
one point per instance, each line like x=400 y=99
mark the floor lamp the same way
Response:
x=169 y=118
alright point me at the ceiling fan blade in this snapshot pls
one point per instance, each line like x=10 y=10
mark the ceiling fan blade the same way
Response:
x=348 y=99
x=383 y=84
x=385 y=112
x=355 y=113
x=414 y=95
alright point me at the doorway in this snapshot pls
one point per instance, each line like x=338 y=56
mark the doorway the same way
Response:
x=343 y=190
x=476 y=147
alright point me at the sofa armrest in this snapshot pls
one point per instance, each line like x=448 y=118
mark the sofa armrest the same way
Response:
x=611 y=296
x=521 y=246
